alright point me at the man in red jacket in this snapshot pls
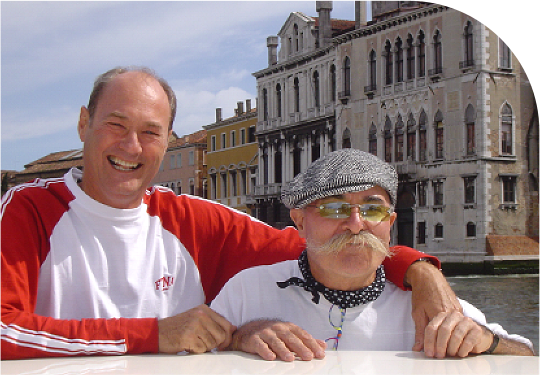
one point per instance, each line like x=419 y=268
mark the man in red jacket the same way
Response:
x=97 y=263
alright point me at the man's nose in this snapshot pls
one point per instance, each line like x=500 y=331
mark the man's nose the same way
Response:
x=355 y=223
x=131 y=143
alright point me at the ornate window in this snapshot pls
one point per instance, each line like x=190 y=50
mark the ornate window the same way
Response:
x=388 y=140
x=421 y=54
x=468 y=44
x=316 y=89
x=411 y=138
x=296 y=95
x=373 y=139
x=347 y=76
x=398 y=134
x=399 y=60
x=507 y=130
x=439 y=136
x=278 y=100
x=437 y=53
x=470 y=117
x=422 y=136
x=372 y=71
x=389 y=71
x=410 y=57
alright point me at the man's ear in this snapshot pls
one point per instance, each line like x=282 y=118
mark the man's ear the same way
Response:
x=297 y=215
x=84 y=121
x=393 y=217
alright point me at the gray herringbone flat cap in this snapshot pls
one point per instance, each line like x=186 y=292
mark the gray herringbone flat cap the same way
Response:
x=339 y=172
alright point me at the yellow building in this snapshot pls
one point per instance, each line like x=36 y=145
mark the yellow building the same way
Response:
x=232 y=158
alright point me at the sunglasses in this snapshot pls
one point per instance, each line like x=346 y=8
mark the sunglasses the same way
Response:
x=342 y=210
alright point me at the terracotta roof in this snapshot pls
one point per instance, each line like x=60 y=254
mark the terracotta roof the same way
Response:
x=55 y=161
x=500 y=245
x=197 y=137
x=338 y=26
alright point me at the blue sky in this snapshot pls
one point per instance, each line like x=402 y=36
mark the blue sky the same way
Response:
x=51 y=53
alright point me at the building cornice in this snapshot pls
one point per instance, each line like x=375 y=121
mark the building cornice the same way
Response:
x=358 y=33
x=231 y=120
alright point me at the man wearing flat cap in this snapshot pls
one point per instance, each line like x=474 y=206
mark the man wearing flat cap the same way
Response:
x=336 y=296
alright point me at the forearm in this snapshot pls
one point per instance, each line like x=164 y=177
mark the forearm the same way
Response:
x=420 y=270
x=26 y=335
x=512 y=347
x=397 y=267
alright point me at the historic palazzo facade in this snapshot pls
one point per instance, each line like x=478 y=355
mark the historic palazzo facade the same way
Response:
x=424 y=87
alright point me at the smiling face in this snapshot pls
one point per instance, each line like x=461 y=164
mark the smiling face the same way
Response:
x=354 y=265
x=125 y=141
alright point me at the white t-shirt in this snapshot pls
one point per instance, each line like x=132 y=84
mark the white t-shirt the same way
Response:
x=384 y=324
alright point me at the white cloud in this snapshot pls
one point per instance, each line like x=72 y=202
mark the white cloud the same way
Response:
x=196 y=109
x=18 y=125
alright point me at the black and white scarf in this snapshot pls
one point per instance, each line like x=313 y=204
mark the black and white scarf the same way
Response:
x=342 y=298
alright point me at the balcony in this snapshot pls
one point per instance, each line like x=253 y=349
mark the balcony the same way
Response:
x=344 y=96
x=268 y=190
x=467 y=64
x=435 y=73
x=370 y=90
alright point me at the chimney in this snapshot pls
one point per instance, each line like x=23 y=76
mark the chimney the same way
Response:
x=240 y=106
x=248 y=105
x=218 y=115
x=325 y=26
x=272 y=43
x=360 y=14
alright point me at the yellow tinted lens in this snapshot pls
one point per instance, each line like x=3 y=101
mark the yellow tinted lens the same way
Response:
x=374 y=212
x=335 y=210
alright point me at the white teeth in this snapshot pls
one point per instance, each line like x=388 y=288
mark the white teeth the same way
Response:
x=122 y=164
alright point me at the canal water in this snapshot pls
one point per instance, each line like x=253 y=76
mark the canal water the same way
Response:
x=510 y=300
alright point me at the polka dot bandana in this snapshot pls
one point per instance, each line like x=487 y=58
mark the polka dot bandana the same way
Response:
x=342 y=298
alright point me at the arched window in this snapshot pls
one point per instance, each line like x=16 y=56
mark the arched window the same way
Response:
x=297 y=156
x=296 y=95
x=346 y=142
x=421 y=54
x=422 y=136
x=316 y=89
x=410 y=57
x=295 y=37
x=265 y=105
x=507 y=130
x=470 y=117
x=398 y=134
x=373 y=139
x=399 y=60
x=505 y=56
x=388 y=140
x=471 y=229
x=411 y=138
x=278 y=99
x=347 y=76
x=437 y=53
x=333 y=82
x=389 y=66
x=439 y=135
x=468 y=44
x=438 y=230
x=372 y=71
x=278 y=160
x=315 y=146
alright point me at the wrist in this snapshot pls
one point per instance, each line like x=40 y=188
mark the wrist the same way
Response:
x=493 y=345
